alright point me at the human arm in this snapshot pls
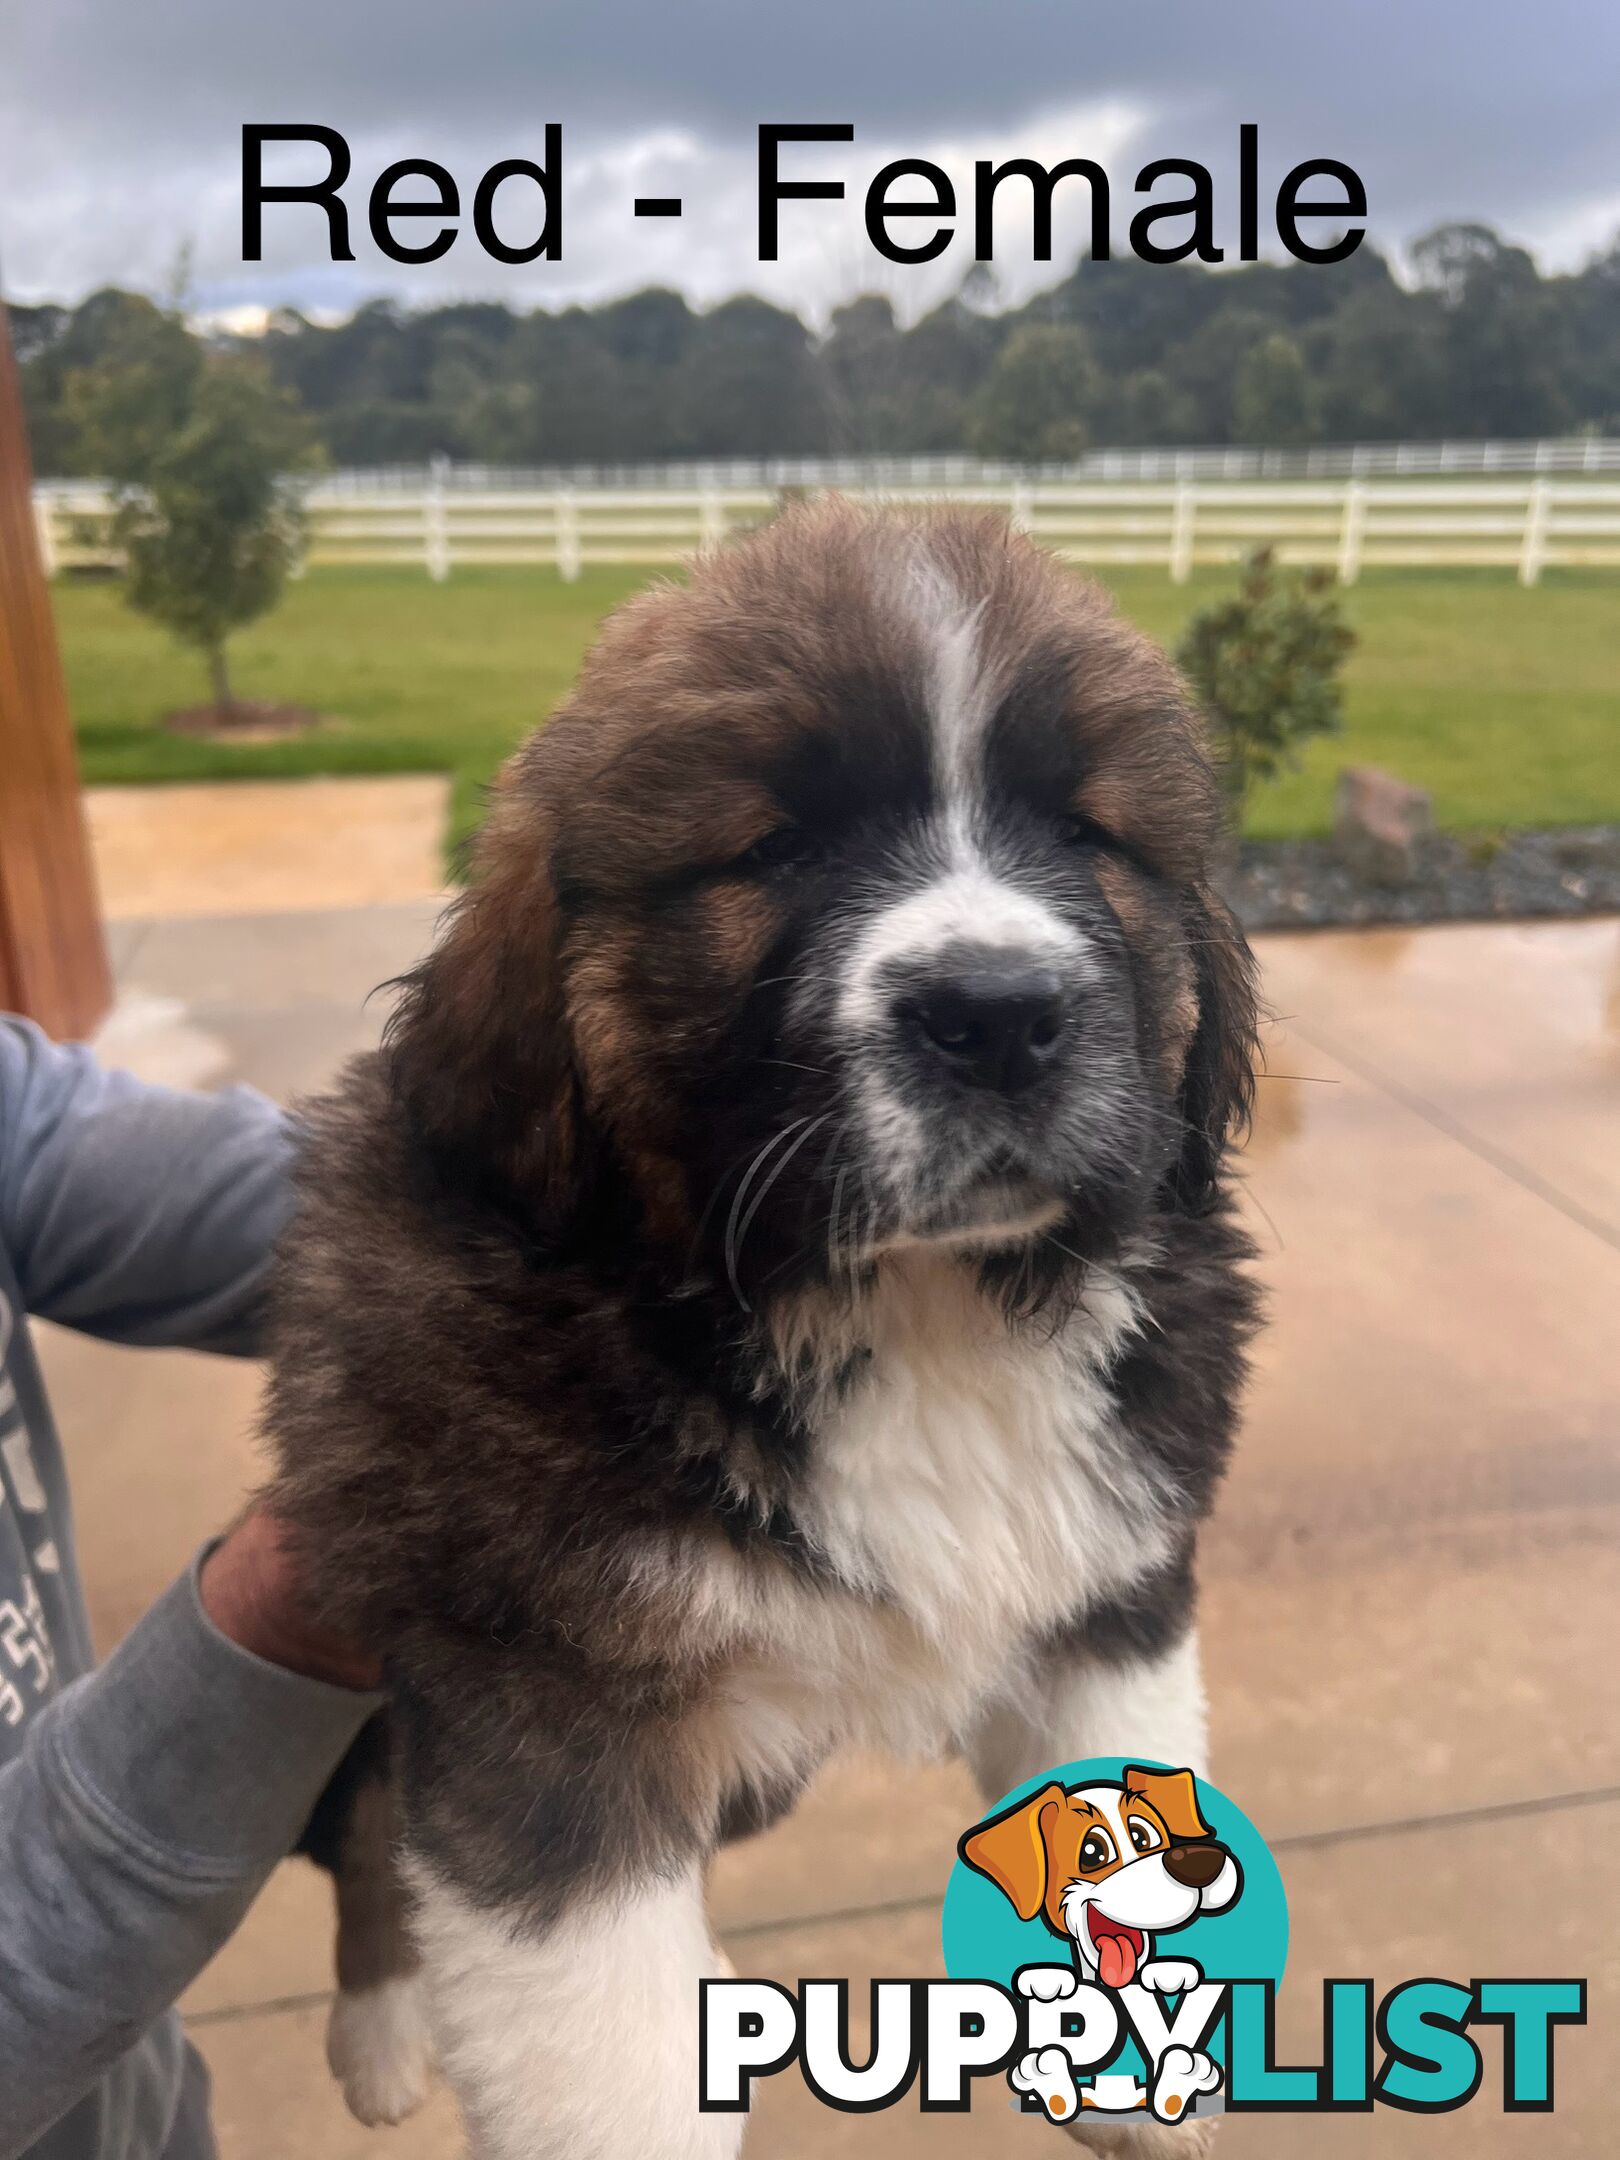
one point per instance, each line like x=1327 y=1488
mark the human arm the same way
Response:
x=143 y=1214
x=148 y=1805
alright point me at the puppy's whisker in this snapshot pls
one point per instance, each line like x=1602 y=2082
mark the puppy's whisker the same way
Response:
x=734 y=1242
x=832 y=1222
x=745 y=1183
x=713 y=1200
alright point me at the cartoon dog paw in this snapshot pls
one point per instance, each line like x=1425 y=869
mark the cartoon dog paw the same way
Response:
x=1170 y=1975
x=1047 y=2074
x=1046 y=1983
x=1180 y=2076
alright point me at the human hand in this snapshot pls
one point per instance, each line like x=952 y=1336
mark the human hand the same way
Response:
x=253 y=1591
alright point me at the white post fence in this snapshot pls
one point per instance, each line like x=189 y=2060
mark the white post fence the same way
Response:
x=45 y=527
x=1181 y=531
x=568 y=548
x=435 y=532
x=1350 y=531
x=1533 y=549
x=444 y=520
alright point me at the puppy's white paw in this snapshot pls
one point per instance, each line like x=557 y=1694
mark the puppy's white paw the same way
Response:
x=381 y=2051
x=1180 y=2076
x=1046 y=1983
x=1046 y=2072
x=1170 y=1975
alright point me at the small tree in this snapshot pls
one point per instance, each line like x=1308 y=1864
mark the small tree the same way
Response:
x=1267 y=666
x=199 y=448
x=1038 y=397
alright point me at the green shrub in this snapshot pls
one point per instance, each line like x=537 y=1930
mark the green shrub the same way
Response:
x=1267 y=666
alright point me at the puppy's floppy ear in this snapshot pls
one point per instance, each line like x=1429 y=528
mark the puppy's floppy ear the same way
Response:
x=1011 y=1849
x=479 y=1051
x=1217 y=1084
x=1173 y=1796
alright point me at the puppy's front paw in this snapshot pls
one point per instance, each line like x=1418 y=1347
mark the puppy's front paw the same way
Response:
x=1046 y=2072
x=381 y=2051
x=1182 y=2074
x=1046 y=1983
x=1170 y=1975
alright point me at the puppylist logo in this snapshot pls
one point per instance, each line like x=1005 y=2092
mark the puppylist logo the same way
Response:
x=1114 y=1935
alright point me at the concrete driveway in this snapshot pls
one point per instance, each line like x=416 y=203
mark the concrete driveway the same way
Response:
x=1411 y=1591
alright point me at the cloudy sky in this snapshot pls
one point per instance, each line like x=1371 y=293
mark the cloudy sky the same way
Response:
x=120 y=127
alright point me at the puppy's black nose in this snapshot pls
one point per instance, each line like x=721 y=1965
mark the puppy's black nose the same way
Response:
x=993 y=1026
x=1195 y=1867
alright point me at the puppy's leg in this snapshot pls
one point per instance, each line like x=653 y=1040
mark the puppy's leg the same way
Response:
x=577 y=2040
x=558 y=1825
x=1120 y=1680
x=1193 y=2140
x=377 y=2038
x=1123 y=1679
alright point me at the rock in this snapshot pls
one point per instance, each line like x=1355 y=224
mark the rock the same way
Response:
x=1380 y=824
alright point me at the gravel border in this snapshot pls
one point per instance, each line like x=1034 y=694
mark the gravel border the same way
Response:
x=1302 y=884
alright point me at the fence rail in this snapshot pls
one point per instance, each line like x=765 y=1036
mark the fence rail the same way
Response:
x=1593 y=455
x=1525 y=525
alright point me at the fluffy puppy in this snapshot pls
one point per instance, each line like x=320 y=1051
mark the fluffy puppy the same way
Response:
x=775 y=1287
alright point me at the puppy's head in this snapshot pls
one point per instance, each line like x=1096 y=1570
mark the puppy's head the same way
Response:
x=1108 y=1867
x=858 y=897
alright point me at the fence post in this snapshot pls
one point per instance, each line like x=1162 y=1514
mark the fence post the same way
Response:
x=435 y=531
x=567 y=536
x=711 y=517
x=1533 y=550
x=1355 y=518
x=1021 y=507
x=1181 y=532
x=45 y=527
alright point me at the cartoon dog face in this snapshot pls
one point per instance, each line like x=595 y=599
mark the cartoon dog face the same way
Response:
x=1109 y=1866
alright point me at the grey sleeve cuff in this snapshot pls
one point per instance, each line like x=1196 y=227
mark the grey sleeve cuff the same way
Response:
x=202 y=1759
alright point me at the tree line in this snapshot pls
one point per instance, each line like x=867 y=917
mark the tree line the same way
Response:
x=1476 y=343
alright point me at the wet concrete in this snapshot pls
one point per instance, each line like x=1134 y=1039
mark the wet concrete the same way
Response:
x=1411 y=1587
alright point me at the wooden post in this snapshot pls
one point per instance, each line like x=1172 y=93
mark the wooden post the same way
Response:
x=53 y=964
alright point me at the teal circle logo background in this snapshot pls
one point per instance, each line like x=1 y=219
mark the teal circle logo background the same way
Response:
x=984 y=1939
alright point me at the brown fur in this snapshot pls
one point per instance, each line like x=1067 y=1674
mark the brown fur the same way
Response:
x=518 y=1407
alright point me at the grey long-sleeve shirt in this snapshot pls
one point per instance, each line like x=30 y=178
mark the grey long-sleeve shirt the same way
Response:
x=142 y=1804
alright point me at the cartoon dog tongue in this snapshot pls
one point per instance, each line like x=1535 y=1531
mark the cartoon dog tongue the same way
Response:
x=1118 y=1949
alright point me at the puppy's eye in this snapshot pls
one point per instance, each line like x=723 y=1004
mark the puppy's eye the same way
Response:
x=1096 y=1851
x=1143 y=1835
x=788 y=848
x=1084 y=832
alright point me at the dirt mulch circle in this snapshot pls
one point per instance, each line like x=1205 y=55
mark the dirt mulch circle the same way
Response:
x=1302 y=884
x=251 y=720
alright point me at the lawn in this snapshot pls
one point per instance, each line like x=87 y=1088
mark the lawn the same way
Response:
x=1505 y=702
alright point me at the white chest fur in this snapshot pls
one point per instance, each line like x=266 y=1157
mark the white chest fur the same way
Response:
x=974 y=1478
x=970 y=1489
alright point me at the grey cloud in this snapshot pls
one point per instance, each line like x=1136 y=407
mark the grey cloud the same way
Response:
x=119 y=125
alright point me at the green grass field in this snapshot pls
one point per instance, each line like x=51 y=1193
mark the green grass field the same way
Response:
x=1505 y=702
